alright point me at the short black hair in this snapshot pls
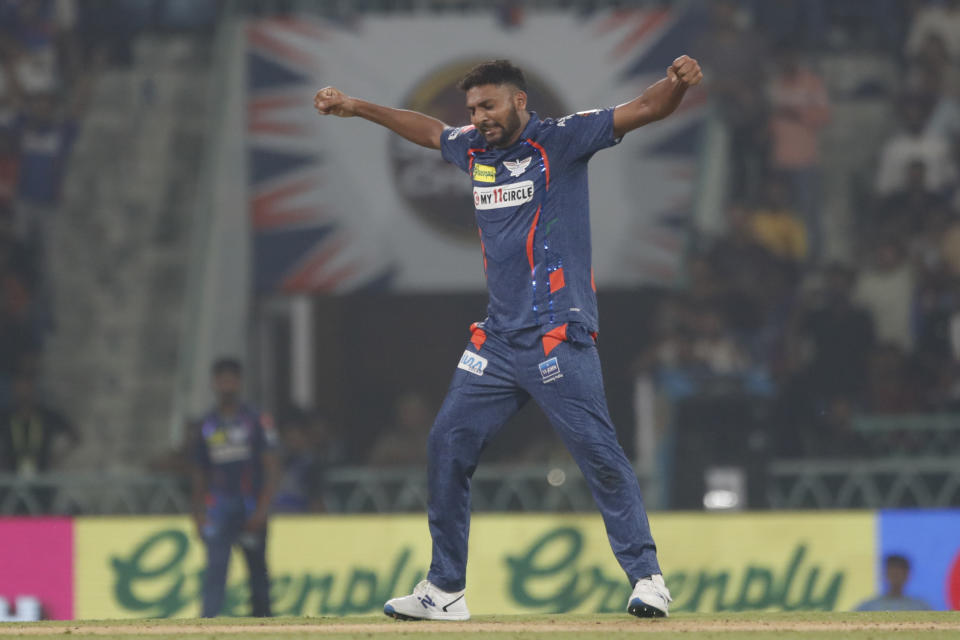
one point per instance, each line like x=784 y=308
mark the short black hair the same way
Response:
x=226 y=365
x=897 y=559
x=494 y=72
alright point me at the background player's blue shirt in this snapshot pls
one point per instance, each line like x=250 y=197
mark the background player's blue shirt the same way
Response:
x=533 y=209
x=231 y=451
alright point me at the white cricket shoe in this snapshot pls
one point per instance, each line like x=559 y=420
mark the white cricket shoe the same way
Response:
x=650 y=598
x=428 y=603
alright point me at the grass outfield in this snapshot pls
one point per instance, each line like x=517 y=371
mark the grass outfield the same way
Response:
x=754 y=626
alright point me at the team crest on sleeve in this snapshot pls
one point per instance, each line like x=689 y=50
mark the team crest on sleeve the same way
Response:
x=456 y=132
x=517 y=167
x=472 y=362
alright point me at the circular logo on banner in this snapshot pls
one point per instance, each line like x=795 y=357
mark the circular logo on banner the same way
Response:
x=953 y=584
x=440 y=193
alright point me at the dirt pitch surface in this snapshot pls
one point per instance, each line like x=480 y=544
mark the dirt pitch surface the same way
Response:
x=688 y=626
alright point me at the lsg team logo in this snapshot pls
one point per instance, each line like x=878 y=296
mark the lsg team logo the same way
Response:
x=438 y=192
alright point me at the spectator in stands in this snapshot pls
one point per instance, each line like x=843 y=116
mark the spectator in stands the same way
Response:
x=891 y=382
x=912 y=144
x=896 y=574
x=299 y=489
x=402 y=443
x=776 y=227
x=13 y=286
x=46 y=140
x=838 y=333
x=936 y=82
x=16 y=345
x=30 y=431
x=21 y=261
x=799 y=109
x=905 y=211
x=715 y=346
x=886 y=289
x=9 y=165
x=731 y=49
x=940 y=19
x=42 y=34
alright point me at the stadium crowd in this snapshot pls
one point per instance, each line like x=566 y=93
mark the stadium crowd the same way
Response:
x=50 y=51
x=815 y=342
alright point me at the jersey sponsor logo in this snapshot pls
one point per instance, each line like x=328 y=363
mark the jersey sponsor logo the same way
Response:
x=517 y=167
x=229 y=452
x=508 y=195
x=550 y=370
x=472 y=362
x=484 y=173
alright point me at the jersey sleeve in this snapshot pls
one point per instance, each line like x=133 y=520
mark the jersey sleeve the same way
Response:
x=455 y=146
x=586 y=132
x=268 y=439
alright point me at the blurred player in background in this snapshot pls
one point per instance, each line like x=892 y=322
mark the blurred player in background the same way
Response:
x=538 y=340
x=236 y=476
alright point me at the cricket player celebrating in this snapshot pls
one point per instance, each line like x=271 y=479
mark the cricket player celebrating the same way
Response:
x=538 y=340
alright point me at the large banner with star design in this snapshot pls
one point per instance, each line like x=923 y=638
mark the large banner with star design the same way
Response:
x=342 y=205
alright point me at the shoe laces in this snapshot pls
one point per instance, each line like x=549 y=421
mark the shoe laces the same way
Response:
x=421 y=588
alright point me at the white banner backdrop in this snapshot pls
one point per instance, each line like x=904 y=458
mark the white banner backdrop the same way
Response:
x=339 y=205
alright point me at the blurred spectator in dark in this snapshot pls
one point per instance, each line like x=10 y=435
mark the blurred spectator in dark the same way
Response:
x=715 y=346
x=776 y=226
x=299 y=489
x=678 y=372
x=510 y=14
x=935 y=81
x=30 y=431
x=799 y=109
x=837 y=334
x=326 y=439
x=758 y=288
x=16 y=345
x=912 y=144
x=9 y=165
x=906 y=210
x=890 y=383
x=41 y=31
x=13 y=287
x=939 y=19
x=896 y=574
x=403 y=443
x=47 y=138
x=731 y=50
x=21 y=261
x=885 y=288
x=801 y=22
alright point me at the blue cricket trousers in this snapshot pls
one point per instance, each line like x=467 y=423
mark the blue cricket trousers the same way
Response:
x=496 y=376
x=226 y=520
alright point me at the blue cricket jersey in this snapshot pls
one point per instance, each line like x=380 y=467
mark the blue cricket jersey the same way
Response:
x=231 y=450
x=533 y=212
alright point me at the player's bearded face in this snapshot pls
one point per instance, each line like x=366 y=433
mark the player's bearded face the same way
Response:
x=495 y=110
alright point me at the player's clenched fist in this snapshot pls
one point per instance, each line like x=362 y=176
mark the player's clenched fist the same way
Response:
x=685 y=70
x=331 y=101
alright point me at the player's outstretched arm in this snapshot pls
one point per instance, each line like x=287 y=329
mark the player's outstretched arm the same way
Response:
x=659 y=99
x=415 y=127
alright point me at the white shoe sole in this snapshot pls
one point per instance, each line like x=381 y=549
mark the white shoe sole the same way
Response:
x=389 y=611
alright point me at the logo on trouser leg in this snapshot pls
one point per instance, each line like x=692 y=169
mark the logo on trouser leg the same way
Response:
x=550 y=370
x=475 y=364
